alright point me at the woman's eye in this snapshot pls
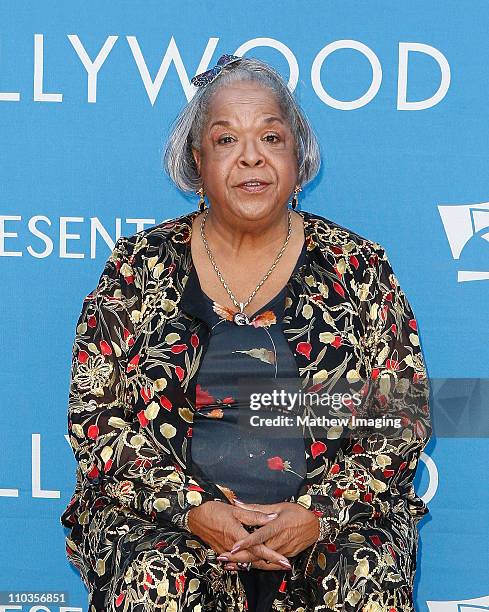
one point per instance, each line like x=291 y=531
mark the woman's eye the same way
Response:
x=269 y=137
x=223 y=138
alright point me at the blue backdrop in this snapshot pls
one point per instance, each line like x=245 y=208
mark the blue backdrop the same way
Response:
x=397 y=93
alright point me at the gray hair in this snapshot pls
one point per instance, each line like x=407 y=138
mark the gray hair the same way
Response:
x=187 y=129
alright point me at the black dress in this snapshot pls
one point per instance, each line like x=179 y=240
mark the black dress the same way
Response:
x=256 y=464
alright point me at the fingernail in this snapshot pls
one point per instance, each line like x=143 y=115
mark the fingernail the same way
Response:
x=238 y=501
x=235 y=548
x=285 y=563
x=272 y=515
x=223 y=558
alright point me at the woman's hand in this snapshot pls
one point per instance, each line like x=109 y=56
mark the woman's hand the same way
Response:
x=294 y=529
x=220 y=525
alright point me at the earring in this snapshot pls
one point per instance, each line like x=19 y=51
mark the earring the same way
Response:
x=202 y=204
x=295 y=199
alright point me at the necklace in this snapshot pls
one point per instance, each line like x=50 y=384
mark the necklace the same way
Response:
x=239 y=317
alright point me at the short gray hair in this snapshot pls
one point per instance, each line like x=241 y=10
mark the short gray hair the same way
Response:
x=187 y=129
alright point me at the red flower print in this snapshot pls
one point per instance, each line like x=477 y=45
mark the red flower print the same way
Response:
x=338 y=273
x=146 y=393
x=128 y=337
x=367 y=497
x=107 y=465
x=105 y=348
x=147 y=581
x=412 y=324
x=119 y=599
x=82 y=356
x=335 y=468
x=189 y=432
x=393 y=328
x=315 y=387
x=388 y=473
x=375 y=373
x=376 y=541
x=392 y=364
x=180 y=372
x=339 y=289
x=92 y=321
x=203 y=397
x=165 y=402
x=331 y=547
x=318 y=448
x=388 y=296
x=195 y=488
x=336 y=342
x=304 y=348
x=336 y=250
x=129 y=278
x=194 y=340
x=133 y=363
x=178 y=348
x=93 y=432
x=142 y=418
x=354 y=261
x=357 y=448
x=417 y=376
x=180 y=583
x=283 y=586
x=373 y=259
x=338 y=492
x=276 y=463
x=93 y=473
x=402 y=466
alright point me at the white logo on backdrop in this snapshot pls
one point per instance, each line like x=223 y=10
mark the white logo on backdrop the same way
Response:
x=38 y=490
x=463 y=605
x=467 y=230
x=152 y=85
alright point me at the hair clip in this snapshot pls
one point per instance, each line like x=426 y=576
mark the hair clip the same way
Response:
x=203 y=78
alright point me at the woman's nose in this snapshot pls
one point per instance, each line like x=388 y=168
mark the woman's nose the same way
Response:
x=251 y=154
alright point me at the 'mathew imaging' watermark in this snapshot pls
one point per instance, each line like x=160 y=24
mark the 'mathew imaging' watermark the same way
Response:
x=285 y=401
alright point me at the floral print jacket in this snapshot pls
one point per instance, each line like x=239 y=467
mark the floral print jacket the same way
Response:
x=137 y=351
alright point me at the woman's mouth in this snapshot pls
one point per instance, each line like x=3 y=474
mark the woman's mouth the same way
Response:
x=253 y=186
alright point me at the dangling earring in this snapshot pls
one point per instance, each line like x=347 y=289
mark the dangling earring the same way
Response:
x=295 y=199
x=202 y=204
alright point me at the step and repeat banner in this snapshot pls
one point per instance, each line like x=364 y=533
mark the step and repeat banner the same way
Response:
x=397 y=94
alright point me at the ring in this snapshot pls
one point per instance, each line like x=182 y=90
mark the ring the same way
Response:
x=244 y=565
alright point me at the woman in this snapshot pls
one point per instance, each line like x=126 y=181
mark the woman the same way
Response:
x=244 y=288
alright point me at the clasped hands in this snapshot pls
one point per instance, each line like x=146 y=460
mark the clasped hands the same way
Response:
x=283 y=530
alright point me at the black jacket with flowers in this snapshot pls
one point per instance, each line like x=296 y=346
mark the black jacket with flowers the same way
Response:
x=138 y=347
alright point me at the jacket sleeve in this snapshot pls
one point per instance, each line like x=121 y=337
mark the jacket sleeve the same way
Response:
x=374 y=472
x=113 y=449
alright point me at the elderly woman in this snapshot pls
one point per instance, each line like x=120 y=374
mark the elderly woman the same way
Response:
x=180 y=505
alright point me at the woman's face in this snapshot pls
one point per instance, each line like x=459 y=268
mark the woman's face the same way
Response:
x=246 y=137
